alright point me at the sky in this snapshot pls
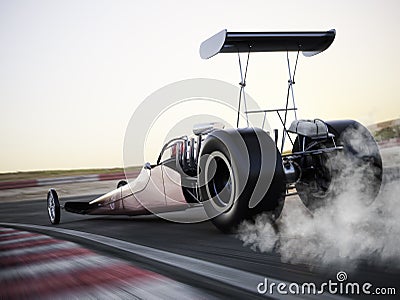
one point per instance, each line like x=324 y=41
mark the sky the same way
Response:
x=73 y=72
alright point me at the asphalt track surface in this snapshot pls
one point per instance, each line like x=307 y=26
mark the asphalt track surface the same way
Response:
x=201 y=241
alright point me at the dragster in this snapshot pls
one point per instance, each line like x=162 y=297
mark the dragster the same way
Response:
x=238 y=173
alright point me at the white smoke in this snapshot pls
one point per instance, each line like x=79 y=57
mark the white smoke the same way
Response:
x=345 y=231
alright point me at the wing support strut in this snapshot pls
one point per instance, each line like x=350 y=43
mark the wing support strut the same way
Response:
x=242 y=84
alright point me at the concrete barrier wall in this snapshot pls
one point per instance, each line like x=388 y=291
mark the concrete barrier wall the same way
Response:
x=63 y=180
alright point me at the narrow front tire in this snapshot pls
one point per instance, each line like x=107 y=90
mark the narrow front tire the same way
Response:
x=53 y=207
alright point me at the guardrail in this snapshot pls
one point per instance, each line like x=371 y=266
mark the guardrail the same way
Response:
x=394 y=142
x=63 y=180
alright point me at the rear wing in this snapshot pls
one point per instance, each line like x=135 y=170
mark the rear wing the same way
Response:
x=310 y=43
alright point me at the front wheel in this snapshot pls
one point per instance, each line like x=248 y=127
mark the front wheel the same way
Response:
x=53 y=207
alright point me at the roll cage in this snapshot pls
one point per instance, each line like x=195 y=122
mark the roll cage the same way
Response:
x=310 y=43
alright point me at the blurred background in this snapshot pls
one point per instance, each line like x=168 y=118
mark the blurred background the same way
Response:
x=73 y=72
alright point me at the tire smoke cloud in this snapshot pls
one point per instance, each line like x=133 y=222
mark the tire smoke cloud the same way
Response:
x=345 y=231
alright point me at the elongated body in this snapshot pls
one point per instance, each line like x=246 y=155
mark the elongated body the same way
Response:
x=156 y=189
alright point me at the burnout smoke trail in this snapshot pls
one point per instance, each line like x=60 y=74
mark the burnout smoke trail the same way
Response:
x=342 y=232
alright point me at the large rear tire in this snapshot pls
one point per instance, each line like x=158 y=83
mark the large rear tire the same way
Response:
x=240 y=175
x=360 y=158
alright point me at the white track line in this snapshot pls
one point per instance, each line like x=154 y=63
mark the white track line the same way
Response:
x=5 y=230
x=237 y=278
x=38 y=249
x=13 y=233
x=61 y=265
x=25 y=239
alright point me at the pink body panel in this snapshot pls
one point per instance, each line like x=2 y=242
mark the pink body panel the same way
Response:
x=155 y=190
x=153 y=195
x=173 y=187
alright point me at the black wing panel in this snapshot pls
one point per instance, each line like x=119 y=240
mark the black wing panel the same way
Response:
x=310 y=43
